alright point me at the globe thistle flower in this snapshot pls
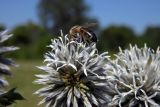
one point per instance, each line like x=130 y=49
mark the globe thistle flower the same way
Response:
x=136 y=78
x=73 y=75
x=6 y=97
x=5 y=62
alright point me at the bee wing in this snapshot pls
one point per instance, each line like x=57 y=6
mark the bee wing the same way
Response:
x=89 y=25
x=86 y=30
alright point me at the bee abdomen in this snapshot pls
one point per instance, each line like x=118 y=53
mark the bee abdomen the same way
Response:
x=91 y=35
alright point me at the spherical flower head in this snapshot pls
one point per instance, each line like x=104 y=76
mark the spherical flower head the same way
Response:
x=72 y=75
x=5 y=62
x=6 y=97
x=136 y=78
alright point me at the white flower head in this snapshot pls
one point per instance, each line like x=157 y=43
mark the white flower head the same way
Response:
x=72 y=75
x=136 y=74
x=5 y=62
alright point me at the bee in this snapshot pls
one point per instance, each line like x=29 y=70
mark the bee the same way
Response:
x=82 y=33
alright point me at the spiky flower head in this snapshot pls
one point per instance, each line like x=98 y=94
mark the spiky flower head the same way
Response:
x=71 y=75
x=5 y=62
x=6 y=97
x=136 y=77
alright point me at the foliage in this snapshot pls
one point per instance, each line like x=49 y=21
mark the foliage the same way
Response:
x=27 y=34
x=31 y=38
x=2 y=27
x=114 y=36
x=152 y=36
x=58 y=14
x=9 y=97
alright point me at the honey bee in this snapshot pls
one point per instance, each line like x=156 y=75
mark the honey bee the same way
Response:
x=82 y=33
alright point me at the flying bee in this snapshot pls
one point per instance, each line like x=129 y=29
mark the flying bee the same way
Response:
x=83 y=33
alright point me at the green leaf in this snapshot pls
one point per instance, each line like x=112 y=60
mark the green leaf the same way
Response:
x=9 y=97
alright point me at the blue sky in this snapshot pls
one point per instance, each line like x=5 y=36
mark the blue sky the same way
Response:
x=135 y=13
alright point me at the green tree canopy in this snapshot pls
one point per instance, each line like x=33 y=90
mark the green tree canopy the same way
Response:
x=63 y=14
x=32 y=39
x=151 y=36
x=27 y=33
x=114 y=36
x=2 y=27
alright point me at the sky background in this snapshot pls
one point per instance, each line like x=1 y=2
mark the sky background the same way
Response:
x=137 y=14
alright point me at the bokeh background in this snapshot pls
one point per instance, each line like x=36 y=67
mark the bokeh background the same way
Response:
x=35 y=22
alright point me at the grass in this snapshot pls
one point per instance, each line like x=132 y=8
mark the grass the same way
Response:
x=23 y=77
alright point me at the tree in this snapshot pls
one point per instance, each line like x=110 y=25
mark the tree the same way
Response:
x=27 y=33
x=62 y=14
x=151 y=36
x=114 y=36
x=2 y=27
x=31 y=38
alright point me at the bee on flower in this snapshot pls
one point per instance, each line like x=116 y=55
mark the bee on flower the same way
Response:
x=72 y=74
x=83 y=33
